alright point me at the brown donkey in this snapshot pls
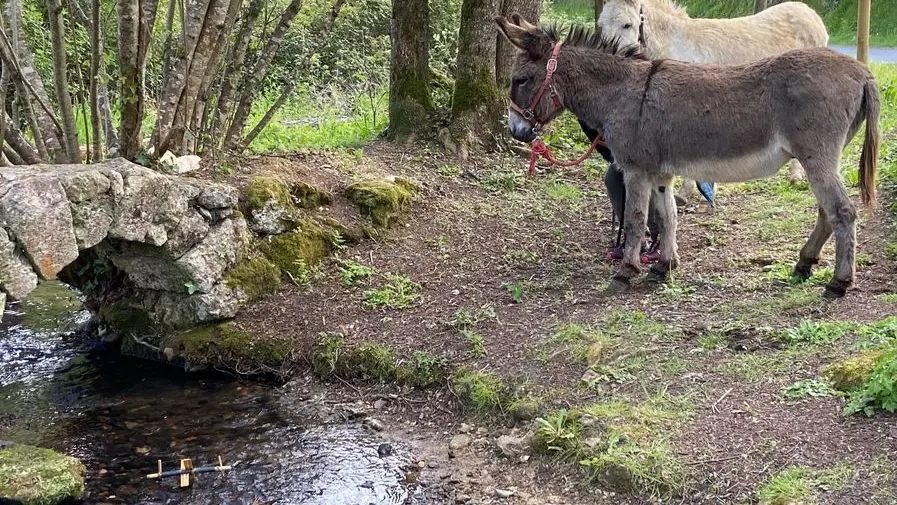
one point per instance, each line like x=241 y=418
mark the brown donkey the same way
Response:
x=726 y=123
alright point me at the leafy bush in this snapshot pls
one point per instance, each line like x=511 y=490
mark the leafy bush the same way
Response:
x=880 y=389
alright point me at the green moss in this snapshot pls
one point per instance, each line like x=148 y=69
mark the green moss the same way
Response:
x=261 y=190
x=471 y=93
x=526 y=408
x=50 y=308
x=124 y=316
x=424 y=369
x=480 y=390
x=851 y=373
x=34 y=476
x=327 y=354
x=371 y=362
x=374 y=362
x=310 y=197
x=223 y=342
x=383 y=202
x=295 y=251
x=256 y=276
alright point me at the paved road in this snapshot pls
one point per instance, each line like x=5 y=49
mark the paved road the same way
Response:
x=877 y=54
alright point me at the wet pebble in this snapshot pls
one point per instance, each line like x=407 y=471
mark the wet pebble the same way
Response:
x=374 y=424
x=458 y=442
x=384 y=450
x=504 y=493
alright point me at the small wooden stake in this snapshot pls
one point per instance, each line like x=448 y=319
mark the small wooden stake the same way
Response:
x=186 y=478
x=864 y=16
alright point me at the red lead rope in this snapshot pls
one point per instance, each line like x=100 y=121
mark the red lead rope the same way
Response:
x=540 y=149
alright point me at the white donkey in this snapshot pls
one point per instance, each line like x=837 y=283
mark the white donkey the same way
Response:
x=665 y=31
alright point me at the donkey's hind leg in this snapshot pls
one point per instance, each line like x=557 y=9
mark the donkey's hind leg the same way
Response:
x=809 y=253
x=831 y=195
x=635 y=218
x=665 y=207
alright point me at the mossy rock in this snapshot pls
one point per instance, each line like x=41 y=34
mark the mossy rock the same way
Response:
x=34 y=476
x=310 y=197
x=50 y=308
x=851 y=373
x=125 y=317
x=299 y=249
x=269 y=206
x=255 y=276
x=226 y=343
x=384 y=202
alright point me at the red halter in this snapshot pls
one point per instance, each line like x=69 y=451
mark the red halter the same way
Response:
x=529 y=113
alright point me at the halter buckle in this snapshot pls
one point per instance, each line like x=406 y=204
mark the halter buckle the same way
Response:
x=551 y=66
x=529 y=115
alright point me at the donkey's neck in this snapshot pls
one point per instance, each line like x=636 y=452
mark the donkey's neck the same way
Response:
x=593 y=84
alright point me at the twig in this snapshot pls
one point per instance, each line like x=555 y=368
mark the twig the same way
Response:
x=721 y=398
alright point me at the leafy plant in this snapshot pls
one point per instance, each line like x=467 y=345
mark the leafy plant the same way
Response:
x=192 y=287
x=398 y=292
x=817 y=333
x=477 y=344
x=516 y=289
x=809 y=388
x=558 y=431
x=467 y=318
x=879 y=390
x=351 y=272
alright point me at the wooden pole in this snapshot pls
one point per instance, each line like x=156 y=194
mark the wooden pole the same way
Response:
x=759 y=5
x=864 y=15
x=599 y=5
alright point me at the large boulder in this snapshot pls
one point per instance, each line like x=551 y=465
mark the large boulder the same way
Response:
x=34 y=476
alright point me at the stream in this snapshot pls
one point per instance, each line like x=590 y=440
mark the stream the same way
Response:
x=120 y=415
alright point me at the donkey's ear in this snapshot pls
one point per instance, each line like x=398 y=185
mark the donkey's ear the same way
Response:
x=532 y=39
x=523 y=23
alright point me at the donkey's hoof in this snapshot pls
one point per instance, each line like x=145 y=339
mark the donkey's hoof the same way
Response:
x=802 y=272
x=833 y=292
x=618 y=285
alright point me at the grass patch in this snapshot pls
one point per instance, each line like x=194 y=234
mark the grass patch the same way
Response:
x=471 y=318
x=800 y=484
x=482 y=391
x=398 y=292
x=755 y=368
x=818 y=333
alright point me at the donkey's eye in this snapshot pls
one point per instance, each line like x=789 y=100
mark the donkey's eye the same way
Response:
x=519 y=81
x=627 y=26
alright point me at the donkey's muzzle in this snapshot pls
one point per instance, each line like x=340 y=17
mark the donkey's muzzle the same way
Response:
x=520 y=128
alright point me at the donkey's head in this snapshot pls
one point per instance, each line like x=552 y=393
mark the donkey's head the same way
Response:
x=622 y=20
x=534 y=99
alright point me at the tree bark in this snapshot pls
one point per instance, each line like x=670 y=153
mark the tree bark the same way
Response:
x=410 y=104
x=4 y=85
x=322 y=35
x=177 y=79
x=30 y=87
x=61 y=83
x=234 y=70
x=531 y=10
x=18 y=143
x=251 y=86
x=759 y=5
x=96 y=55
x=476 y=106
x=129 y=89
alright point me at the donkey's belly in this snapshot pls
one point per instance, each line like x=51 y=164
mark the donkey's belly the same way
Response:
x=753 y=165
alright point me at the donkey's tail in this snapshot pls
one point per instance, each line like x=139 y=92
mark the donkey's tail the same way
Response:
x=869 y=156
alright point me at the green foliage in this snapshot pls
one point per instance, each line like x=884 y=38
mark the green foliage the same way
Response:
x=796 y=484
x=351 y=272
x=516 y=289
x=481 y=390
x=35 y=476
x=809 y=388
x=425 y=369
x=467 y=318
x=879 y=390
x=476 y=341
x=398 y=292
x=558 y=431
x=817 y=332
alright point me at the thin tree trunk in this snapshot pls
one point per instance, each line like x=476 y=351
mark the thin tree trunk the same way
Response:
x=96 y=54
x=759 y=5
x=11 y=153
x=504 y=52
x=19 y=144
x=112 y=142
x=234 y=70
x=4 y=84
x=47 y=128
x=60 y=81
x=169 y=35
x=177 y=80
x=410 y=103
x=322 y=35
x=476 y=106
x=129 y=88
x=599 y=6
x=251 y=86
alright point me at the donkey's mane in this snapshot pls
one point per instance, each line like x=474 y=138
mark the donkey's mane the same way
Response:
x=579 y=36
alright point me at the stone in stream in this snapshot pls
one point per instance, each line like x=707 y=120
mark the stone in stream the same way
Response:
x=35 y=476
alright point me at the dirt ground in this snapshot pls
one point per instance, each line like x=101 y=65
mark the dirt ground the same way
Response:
x=526 y=259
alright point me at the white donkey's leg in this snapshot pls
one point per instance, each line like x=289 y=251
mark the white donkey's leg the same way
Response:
x=795 y=170
x=665 y=205
x=635 y=218
x=685 y=192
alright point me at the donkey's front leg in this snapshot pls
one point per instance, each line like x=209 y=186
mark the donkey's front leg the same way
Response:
x=635 y=217
x=665 y=208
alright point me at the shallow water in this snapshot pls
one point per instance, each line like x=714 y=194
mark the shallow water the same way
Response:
x=120 y=415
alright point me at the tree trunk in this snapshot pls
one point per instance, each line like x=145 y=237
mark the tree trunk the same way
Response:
x=18 y=143
x=174 y=87
x=96 y=54
x=504 y=51
x=476 y=106
x=251 y=86
x=410 y=105
x=759 y=5
x=599 y=6
x=61 y=83
x=322 y=35
x=4 y=85
x=234 y=70
x=129 y=89
x=30 y=87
